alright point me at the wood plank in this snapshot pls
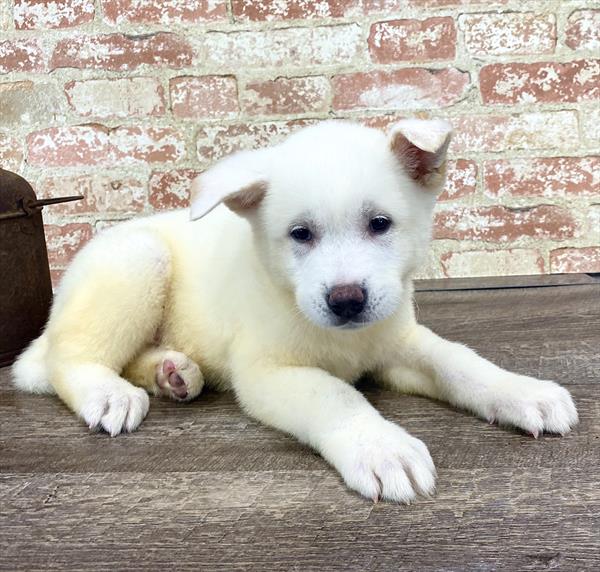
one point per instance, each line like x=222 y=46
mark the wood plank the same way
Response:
x=478 y=520
x=494 y=282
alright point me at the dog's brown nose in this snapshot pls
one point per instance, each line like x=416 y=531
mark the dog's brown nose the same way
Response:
x=347 y=301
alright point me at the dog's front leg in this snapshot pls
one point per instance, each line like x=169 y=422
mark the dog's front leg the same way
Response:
x=433 y=366
x=375 y=457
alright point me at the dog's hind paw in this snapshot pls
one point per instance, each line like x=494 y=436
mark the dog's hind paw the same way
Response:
x=178 y=377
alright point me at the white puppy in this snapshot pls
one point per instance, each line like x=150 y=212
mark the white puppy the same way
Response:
x=287 y=292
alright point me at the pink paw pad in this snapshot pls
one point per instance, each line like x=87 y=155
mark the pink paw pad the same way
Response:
x=173 y=380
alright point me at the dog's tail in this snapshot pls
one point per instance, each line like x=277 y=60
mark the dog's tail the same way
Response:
x=29 y=371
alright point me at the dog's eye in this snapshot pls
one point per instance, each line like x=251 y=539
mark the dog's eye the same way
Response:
x=301 y=234
x=379 y=224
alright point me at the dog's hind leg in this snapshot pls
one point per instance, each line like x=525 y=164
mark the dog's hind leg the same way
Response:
x=161 y=371
x=108 y=307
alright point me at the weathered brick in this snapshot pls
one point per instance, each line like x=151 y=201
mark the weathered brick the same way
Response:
x=63 y=241
x=502 y=224
x=113 y=98
x=103 y=193
x=56 y=275
x=214 y=142
x=567 y=260
x=412 y=40
x=450 y=3
x=326 y=45
x=25 y=103
x=147 y=144
x=117 y=52
x=118 y=12
x=286 y=96
x=97 y=145
x=11 y=153
x=21 y=56
x=5 y=16
x=461 y=180
x=32 y=14
x=543 y=177
x=546 y=82
x=494 y=34
x=171 y=189
x=548 y=130
x=204 y=97
x=511 y=262
x=293 y=10
x=251 y=10
x=590 y=125
x=69 y=146
x=413 y=88
x=583 y=30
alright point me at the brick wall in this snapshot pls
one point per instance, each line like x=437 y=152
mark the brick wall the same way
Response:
x=125 y=101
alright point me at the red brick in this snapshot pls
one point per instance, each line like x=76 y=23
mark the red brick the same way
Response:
x=63 y=241
x=69 y=146
x=448 y=3
x=113 y=98
x=292 y=10
x=287 y=96
x=252 y=10
x=482 y=133
x=543 y=177
x=21 y=56
x=413 y=88
x=97 y=145
x=509 y=33
x=56 y=275
x=257 y=49
x=567 y=260
x=546 y=82
x=461 y=180
x=117 y=52
x=511 y=262
x=147 y=144
x=118 y=12
x=412 y=40
x=502 y=224
x=11 y=153
x=171 y=189
x=33 y=14
x=216 y=141
x=103 y=193
x=583 y=30
x=204 y=97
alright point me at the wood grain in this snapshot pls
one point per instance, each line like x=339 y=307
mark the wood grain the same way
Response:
x=202 y=487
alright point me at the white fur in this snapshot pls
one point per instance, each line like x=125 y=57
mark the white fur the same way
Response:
x=236 y=295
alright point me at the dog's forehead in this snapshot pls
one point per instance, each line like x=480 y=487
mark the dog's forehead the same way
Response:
x=333 y=171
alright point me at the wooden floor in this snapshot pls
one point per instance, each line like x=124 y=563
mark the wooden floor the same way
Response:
x=202 y=487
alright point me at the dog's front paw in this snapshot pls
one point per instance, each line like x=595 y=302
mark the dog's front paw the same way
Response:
x=533 y=405
x=178 y=377
x=380 y=460
x=115 y=406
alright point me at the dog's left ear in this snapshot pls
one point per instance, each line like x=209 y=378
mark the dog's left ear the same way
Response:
x=420 y=146
x=238 y=181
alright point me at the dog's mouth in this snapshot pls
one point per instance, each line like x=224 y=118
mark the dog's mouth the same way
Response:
x=351 y=324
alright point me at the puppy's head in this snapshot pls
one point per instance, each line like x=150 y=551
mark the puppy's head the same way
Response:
x=341 y=213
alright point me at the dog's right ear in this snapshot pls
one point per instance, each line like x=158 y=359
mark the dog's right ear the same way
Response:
x=238 y=181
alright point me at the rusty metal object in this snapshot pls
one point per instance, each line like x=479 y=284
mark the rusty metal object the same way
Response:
x=25 y=286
